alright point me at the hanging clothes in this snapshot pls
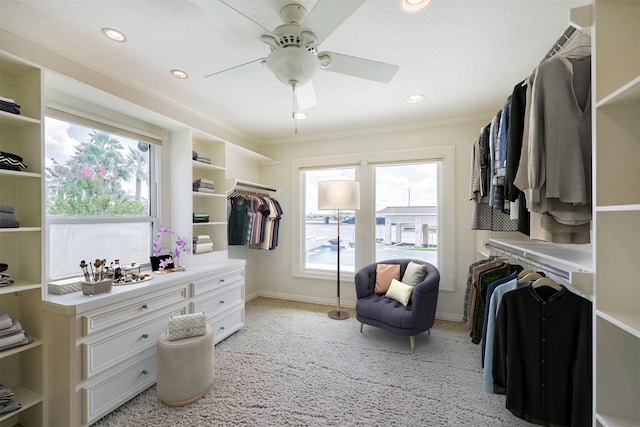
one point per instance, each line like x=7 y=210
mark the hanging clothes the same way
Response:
x=254 y=220
x=542 y=356
x=545 y=165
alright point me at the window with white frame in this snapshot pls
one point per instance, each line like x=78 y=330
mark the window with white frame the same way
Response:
x=100 y=200
x=406 y=211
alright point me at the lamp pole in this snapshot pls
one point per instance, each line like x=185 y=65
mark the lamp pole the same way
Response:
x=338 y=314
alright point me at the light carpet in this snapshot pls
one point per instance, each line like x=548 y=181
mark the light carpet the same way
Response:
x=293 y=365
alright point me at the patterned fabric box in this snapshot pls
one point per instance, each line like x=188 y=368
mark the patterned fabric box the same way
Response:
x=66 y=286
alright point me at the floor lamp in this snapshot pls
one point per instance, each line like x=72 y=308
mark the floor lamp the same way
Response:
x=338 y=195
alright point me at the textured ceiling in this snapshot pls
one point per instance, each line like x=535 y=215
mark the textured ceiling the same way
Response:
x=463 y=55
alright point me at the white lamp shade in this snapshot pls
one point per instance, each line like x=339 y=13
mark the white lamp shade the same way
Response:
x=339 y=194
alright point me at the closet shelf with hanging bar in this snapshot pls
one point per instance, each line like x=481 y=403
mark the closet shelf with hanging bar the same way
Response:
x=571 y=264
x=237 y=186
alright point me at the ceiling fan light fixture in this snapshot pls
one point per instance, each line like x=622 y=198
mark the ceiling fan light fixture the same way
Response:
x=179 y=74
x=411 y=6
x=293 y=63
x=415 y=98
x=115 y=35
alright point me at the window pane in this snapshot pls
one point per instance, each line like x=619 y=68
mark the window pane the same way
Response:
x=321 y=227
x=407 y=214
x=71 y=243
x=90 y=172
x=98 y=197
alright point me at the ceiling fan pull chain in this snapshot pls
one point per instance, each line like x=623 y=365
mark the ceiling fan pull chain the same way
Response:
x=294 y=108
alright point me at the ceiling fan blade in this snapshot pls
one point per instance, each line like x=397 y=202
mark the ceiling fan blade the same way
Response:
x=328 y=15
x=306 y=96
x=360 y=67
x=237 y=11
x=233 y=68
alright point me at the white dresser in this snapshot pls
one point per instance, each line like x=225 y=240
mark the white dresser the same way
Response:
x=100 y=351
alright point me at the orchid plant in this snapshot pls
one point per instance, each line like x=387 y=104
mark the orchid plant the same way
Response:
x=182 y=245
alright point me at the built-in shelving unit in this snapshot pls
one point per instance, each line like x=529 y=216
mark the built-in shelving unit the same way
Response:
x=617 y=212
x=21 y=368
x=213 y=204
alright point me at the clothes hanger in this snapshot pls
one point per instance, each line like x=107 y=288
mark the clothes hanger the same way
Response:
x=525 y=272
x=579 y=47
x=545 y=281
x=529 y=277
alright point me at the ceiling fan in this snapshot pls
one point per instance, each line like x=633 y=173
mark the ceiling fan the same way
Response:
x=294 y=56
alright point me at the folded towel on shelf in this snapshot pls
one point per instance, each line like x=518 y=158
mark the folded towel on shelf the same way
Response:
x=27 y=340
x=202 y=248
x=205 y=190
x=10 y=340
x=5 y=321
x=13 y=329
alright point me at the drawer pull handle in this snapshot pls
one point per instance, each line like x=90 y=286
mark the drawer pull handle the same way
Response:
x=221 y=301
x=145 y=306
x=221 y=280
x=145 y=372
x=145 y=336
x=222 y=328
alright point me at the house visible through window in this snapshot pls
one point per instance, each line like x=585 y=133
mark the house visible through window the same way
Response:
x=406 y=211
x=99 y=203
x=407 y=198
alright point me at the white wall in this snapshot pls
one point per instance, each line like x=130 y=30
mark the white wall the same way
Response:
x=271 y=274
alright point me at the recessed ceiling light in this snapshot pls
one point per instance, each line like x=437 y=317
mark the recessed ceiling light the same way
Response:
x=413 y=5
x=114 y=35
x=179 y=74
x=299 y=116
x=414 y=99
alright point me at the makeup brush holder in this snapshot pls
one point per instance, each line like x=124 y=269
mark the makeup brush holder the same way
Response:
x=95 y=288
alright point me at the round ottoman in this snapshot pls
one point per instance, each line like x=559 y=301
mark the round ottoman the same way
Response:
x=185 y=368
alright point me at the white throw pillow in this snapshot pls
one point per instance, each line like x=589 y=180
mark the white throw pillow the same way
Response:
x=414 y=273
x=400 y=292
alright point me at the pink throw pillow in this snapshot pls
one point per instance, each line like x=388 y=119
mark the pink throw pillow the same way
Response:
x=385 y=273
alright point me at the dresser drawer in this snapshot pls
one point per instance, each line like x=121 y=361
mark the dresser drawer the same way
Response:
x=227 y=323
x=103 y=397
x=212 y=283
x=129 y=312
x=113 y=350
x=218 y=301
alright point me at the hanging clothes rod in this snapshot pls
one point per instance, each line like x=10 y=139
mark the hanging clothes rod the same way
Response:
x=562 y=40
x=534 y=263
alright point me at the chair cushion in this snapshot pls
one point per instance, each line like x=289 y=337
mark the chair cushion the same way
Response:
x=384 y=274
x=400 y=292
x=414 y=273
x=378 y=310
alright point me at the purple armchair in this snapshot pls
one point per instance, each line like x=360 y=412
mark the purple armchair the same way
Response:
x=378 y=310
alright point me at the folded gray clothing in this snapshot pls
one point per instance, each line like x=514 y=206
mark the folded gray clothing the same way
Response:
x=7 y=209
x=5 y=320
x=9 y=223
x=13 y=329
x=5 y=391
x=12 y=339
x=9 y=405
x=27 y=340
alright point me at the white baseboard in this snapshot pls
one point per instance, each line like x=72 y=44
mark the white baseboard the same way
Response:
x=298 y=298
